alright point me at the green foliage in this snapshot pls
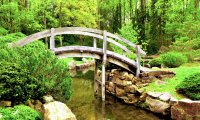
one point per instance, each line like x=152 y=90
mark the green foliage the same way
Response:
x=190 y=86
x=128 y=33
x=156 y=62
x=11 y=38
x=20 y=112
x=16 y=83
x=173 y=59
x=50 y=73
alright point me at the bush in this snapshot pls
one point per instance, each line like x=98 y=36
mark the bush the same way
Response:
x=50 y=73
x=190 y=86
x=173 y=59
x=20 y=112
x=16 y=83
x=156 y=62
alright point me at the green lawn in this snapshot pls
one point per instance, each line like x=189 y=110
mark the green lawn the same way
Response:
x=68 y=60
x=181 y=72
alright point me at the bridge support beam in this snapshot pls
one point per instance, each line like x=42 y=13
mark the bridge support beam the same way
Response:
x=138 y=61
x=96 y=84
x=103 y=74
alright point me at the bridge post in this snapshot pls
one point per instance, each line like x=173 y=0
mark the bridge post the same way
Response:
x=96 y=85
x=52 y=41
x=103 y=74
x=138 y=61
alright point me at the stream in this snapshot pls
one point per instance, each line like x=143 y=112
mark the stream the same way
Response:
x=86 y=106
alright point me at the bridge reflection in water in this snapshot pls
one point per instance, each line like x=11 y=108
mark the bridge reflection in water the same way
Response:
x=86 y=106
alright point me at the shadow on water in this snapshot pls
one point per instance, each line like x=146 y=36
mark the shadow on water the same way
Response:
x=86 y=106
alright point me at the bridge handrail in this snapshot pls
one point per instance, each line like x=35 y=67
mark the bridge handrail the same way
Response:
x=81 y=31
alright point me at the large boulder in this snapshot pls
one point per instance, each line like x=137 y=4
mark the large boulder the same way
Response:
x=120 y=82
x=120 y=92
x=157 y=106
x=186 y=110
x=57 y=111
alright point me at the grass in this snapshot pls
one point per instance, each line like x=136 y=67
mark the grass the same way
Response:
x=68 y=60
x=181 y=72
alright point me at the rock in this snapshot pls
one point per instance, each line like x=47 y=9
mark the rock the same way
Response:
x=111 y=89
x=159 y=82
x=111 y=84
x=120 y=92
x=124 y=75
x=118 y=81
x=38 y=105
x=130 y=88
x=143 y=97
x=165 y=76
x=130 y=77
x=115 y=71
x=132 y=99
x=57 y=111
x=157 y=106
x=140 y=91
x=5 y=103
x=165 y=97
x=160 y=72
x=48 y=98
x=72 y=64
x=153 y=94
x=173 y=101
x=30 y=104
x=186 y=110
x=144 y=74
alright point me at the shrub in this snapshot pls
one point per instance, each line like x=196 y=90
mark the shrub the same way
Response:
x=16 y=83
x=50 y=73
x=190 y=86
x=173 y=59
x=20 y=112
x=156 y=62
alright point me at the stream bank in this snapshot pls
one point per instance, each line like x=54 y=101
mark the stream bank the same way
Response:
x=86 y=106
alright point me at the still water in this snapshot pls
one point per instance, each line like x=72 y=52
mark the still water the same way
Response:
x=86 y=106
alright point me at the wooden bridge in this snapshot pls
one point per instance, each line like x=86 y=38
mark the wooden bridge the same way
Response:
x=92 y=52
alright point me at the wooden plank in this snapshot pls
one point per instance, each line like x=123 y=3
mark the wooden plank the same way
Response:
x=138 y=61
x=52 y=41
x=96 y=31
x=103 y=73
x=40 y=35
x=94 y=42
x=32 y=38
x=125 y=41
x=91 y=50
x=76 y=30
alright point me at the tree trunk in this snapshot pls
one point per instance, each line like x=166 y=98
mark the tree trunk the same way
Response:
x=196 y=6
x=124 y=11
x=131 y=9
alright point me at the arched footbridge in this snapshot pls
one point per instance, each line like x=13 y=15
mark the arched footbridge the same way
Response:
x=92 y=52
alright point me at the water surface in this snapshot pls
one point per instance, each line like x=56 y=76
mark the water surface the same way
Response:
x=86 y=106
